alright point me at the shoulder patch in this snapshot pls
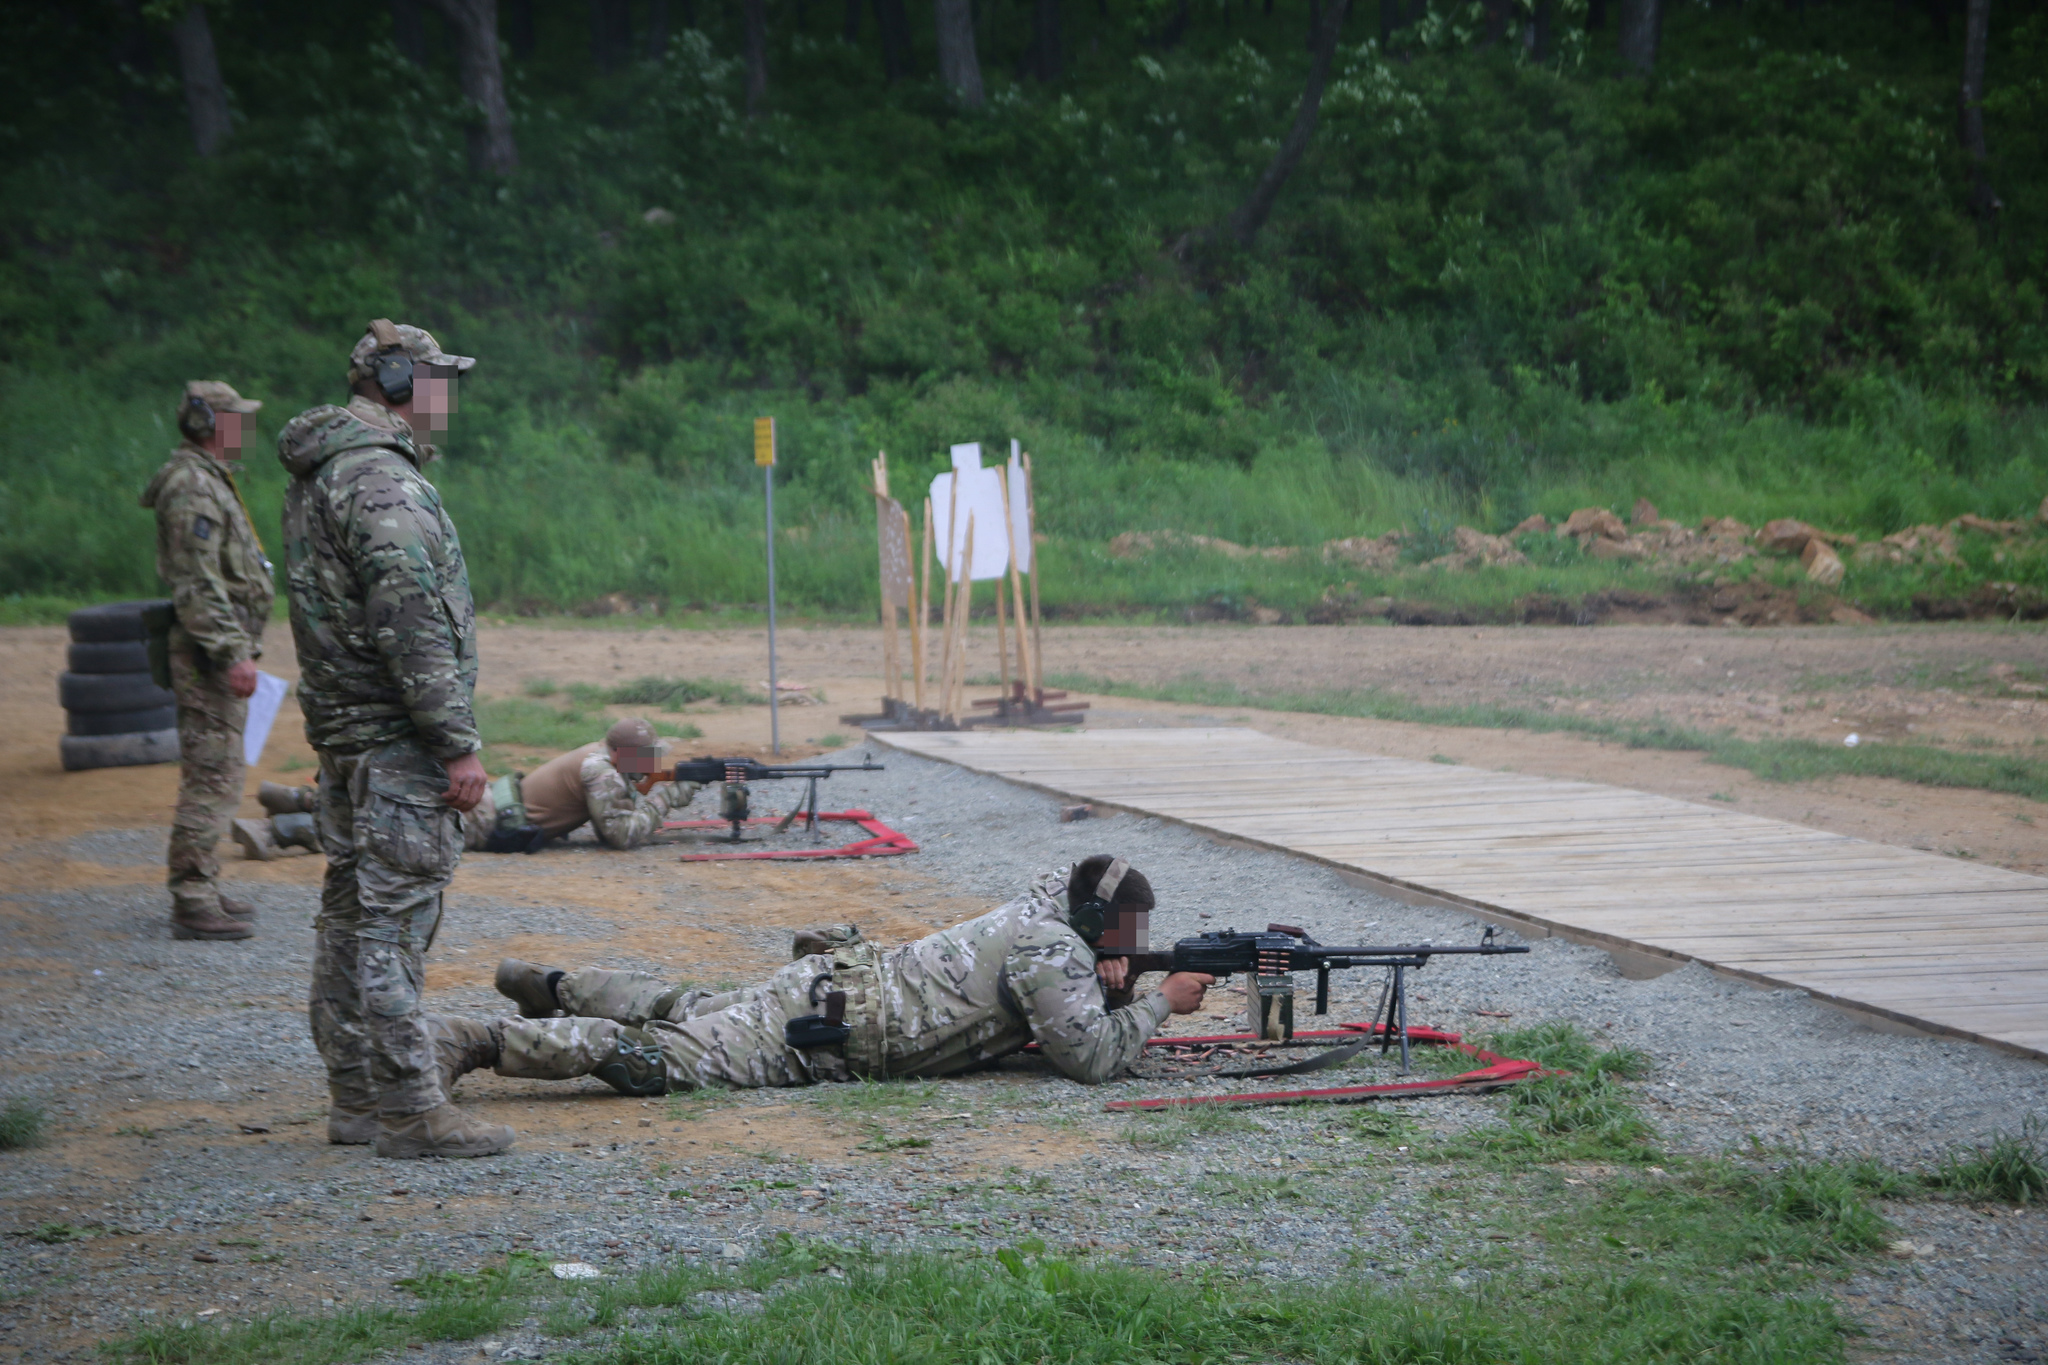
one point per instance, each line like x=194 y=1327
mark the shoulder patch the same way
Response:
x=202 y=527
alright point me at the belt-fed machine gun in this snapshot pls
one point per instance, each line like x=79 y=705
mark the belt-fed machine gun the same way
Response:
x=1267 y=959
x=736 y=773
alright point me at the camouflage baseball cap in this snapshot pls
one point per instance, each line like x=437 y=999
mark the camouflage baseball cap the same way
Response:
x=217 y=396
x=631 y=733
x=418 y=343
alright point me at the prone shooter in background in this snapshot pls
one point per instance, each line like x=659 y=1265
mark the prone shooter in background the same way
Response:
x=614 y=785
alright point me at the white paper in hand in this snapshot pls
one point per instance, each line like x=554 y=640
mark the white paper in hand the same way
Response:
x=269 y=695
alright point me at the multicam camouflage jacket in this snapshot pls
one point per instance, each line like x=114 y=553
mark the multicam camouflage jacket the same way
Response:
x=1018 y=974
x=208 y=553
x=620 y=815
x=380 y=604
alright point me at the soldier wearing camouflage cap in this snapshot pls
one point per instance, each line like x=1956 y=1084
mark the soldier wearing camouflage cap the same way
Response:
x=386 y=636
x=208 y=553
x=1048 y=967
x=614 y=786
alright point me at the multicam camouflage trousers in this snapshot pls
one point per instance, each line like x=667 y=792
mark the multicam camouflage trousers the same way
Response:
x=392 y=845
x=209 y=775
x=732 y=1038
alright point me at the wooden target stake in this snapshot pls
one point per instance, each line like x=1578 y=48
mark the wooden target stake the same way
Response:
x=1037 y=635
x=1024 y=652
x=919 y=652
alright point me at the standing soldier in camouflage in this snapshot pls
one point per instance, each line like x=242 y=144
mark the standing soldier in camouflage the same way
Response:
x=208 y=553
x=1039 y=969
x=386 y=636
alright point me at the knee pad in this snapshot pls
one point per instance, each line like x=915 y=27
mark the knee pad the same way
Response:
x=634 y=1066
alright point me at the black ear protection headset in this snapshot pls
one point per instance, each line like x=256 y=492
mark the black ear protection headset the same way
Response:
x=391 y=367
x=1090 y=917
x=198 y=420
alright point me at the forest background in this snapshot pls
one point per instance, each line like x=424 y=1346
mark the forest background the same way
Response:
x=1519 y=269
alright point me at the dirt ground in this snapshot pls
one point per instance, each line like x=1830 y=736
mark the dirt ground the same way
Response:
x=1974 y=688
x=96 y=837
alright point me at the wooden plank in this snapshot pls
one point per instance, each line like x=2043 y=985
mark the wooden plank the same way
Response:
x=1934 y=941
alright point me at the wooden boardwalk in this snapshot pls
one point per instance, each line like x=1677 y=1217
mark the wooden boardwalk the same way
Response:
x=1896 y=935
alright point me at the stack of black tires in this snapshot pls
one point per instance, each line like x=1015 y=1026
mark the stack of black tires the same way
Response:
x=117 y=715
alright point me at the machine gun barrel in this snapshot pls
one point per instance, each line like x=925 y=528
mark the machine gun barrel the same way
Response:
x=1268 y=958
x=708 y=770
x=1272 y=954
x=736 y=773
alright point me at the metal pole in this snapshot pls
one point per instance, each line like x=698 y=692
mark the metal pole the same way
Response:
x=774 y=709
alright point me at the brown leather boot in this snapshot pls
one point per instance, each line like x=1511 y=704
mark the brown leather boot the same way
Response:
x=255 y=840
x=206 y=922
x=462 y=1046
x=279 y=799
x=235 y=909
x=441 y=1131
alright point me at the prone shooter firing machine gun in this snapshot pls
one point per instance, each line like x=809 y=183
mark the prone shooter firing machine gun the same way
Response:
x=736 y=773
x=1267 y=959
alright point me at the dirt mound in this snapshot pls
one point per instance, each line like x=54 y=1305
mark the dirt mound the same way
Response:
x=1989 y=602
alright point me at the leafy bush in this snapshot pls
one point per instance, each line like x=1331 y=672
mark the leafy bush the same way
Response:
x=1495 y=286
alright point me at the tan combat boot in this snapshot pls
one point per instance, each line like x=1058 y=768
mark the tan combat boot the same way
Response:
x=295 y=831
x=279 y=799
x=351 y=1127
x=235 y=909
x=531 y=985
x=462 y=1046
x=441 y=1131
x=206 y=922
x=254 y=838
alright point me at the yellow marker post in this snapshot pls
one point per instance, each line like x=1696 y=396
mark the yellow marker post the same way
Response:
x=764 y=456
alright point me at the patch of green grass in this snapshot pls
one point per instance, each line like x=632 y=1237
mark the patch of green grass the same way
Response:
x=541 y=687
x=21 y=1123
x=52 y=1234
x=1777 y=760
x=456 y=1307
x=521 y=723
x=1563 y=1046
x=297 y=763
x=835 y=740
x=881 y=1140
x=677 y=731
x=1828 y=1197
x=1709 y=1264
x=1160 y=1130
x=1384 y=1125
x=37 y=609
x=2011 y=1168
x=872 y=1097
x=675 y=693
x=687 y=1106
x=142 y=1131
x=1582 y=1112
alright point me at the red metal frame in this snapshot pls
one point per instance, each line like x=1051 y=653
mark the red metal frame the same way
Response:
x=1499 y=1071
x=882 y=842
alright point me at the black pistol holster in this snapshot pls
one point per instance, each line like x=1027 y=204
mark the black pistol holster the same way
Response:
x=829 y=1029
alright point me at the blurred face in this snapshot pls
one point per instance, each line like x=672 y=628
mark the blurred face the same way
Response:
x=636 y=760
x=1128 y=931
x=433 y=398
x=227 y=436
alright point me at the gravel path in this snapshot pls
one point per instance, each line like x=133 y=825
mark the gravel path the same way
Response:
x=157 y=1057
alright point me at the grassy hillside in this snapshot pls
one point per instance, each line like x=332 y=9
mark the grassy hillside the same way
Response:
x=1496 y=286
